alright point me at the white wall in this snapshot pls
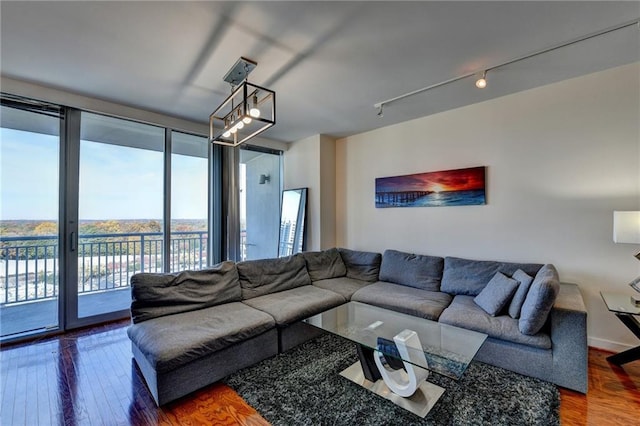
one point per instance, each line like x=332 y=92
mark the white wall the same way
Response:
x=560 y=159
x=327 y=192
x=310 y=163
x=302 y=170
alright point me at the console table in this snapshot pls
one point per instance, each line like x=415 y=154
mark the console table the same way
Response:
x=627 y=312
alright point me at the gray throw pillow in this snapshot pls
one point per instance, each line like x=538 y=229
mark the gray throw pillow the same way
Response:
x=521 y=293
x=539 y=301
x=323 y=265
x=498 y=292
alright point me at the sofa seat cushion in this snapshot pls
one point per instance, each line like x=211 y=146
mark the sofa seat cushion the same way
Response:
x=172 y=341
x=343 y=286
x=408 y=300
x=469 y=277
x=412 y=270
x=326 y=264
x=464 y=313
x=289 y=306
x=264 y=276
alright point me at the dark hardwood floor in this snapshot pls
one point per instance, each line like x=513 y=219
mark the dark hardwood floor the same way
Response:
x=88 y=377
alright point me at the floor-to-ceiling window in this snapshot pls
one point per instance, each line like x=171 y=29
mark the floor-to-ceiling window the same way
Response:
x=109 y=187
x=189 y=186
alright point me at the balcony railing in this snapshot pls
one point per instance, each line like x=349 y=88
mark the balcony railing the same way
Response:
x=29 y=267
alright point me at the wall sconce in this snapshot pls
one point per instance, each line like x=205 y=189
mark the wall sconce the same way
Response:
x=264 y=179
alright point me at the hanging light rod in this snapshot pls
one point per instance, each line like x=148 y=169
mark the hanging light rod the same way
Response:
x=483 y=72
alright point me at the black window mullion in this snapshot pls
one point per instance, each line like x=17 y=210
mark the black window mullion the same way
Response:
x=166 y=235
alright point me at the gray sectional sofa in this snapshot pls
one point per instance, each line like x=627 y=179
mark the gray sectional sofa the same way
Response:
x=193 y=328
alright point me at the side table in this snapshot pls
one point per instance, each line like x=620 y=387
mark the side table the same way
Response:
x=621 y=306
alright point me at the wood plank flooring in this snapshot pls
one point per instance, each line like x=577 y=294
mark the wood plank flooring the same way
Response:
x=88 y=377
x=613 y=397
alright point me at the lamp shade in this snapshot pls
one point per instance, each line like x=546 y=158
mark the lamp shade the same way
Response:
x=626 y=227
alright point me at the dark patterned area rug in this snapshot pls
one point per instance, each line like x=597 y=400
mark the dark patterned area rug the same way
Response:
x=303 y=387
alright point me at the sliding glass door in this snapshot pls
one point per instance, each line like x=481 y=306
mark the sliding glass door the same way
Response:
x=29 y=243
x=120 y=210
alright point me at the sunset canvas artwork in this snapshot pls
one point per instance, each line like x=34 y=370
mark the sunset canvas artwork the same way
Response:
x=462 y=187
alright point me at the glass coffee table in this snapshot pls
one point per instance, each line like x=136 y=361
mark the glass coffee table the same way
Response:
x=397 y=352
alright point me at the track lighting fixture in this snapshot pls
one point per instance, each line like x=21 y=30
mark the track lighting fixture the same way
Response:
x=481 y=82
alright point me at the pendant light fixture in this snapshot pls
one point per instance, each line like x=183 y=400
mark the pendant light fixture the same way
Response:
x=247 y=112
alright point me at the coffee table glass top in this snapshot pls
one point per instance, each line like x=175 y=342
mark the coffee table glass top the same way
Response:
x=448 y=350
x=621 y=303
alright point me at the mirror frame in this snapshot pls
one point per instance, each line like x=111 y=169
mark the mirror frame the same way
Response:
x=300 y=237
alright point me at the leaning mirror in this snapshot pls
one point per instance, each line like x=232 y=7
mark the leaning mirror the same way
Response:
x=293 y=215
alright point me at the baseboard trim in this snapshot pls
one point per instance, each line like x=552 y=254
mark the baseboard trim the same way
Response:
x=607 y=345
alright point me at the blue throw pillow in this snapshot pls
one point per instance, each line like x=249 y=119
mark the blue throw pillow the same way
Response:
x=521 y=293
x=498 y=292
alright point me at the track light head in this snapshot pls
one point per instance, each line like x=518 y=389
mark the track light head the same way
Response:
x=481 y=83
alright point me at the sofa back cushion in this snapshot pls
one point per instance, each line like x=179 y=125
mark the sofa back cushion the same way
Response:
x=469 y=277
x=361 y=265
x=323 y=265
x=156 y=295
x=264 y=276
x=539 y=301
x=413 y=270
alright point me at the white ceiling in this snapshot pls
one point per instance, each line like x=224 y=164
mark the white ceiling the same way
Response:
x=328 y=62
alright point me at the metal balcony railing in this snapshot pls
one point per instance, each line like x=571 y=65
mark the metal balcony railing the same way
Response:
x=29 y=267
